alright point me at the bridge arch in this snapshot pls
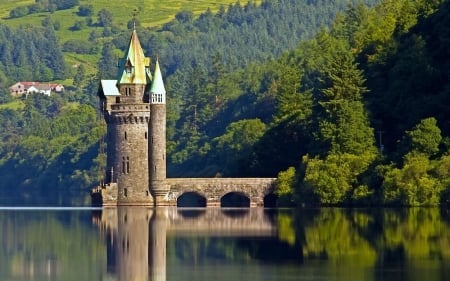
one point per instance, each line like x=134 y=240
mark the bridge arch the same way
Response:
x=235 y=199
x=191 y=199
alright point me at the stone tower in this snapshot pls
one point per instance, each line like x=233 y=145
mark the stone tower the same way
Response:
x=157 y=142
x=126 y=109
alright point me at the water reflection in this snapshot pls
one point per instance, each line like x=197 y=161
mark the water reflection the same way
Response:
x=386 y=244
x=137 y=236
x=134 y=243
x=50 y=245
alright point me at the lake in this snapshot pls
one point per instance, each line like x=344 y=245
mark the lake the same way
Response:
x=135 y=243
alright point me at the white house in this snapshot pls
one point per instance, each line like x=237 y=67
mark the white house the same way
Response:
x=42 y=89
x=21 y=88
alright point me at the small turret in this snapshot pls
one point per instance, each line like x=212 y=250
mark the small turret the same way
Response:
x=157 y=142
x=158 y=91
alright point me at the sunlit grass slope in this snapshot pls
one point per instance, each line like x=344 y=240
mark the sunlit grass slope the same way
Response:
x=150 y=12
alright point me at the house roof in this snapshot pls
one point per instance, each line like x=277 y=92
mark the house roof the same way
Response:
x=109 y=87
x=44 y=87
x=29 y=84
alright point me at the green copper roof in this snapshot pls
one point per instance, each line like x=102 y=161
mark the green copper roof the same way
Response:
x=158 y=84
x=133 y=68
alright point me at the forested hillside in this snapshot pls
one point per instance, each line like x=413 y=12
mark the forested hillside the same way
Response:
x=351 y=113
x=357 y=115
x=43 y=155
x=365 y=119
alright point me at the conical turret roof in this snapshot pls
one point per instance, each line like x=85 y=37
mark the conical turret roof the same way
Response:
x=158 y=83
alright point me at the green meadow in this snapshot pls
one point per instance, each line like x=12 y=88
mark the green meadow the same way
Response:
x=16 y=104
x=151 y=13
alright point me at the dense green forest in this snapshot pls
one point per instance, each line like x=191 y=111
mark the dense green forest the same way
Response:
x=349 y=111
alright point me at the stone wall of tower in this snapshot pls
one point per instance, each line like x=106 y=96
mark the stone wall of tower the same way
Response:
x=157 y=152
x=128 y=135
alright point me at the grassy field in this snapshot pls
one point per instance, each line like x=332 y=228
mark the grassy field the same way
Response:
x=16 y=104
x=151 y=13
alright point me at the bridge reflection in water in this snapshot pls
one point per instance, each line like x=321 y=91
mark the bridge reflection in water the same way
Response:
x=136 y=236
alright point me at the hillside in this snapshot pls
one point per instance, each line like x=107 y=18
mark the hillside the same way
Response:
x=54 y=144
x=345 y=111
x=149 y=13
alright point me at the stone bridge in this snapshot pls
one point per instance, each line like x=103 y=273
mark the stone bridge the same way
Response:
x=214 y=189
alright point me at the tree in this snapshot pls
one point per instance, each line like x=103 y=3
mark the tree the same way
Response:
x=237 y=142
x=184 y=16
x=104 y=18
x=78 y=25
x=85 y=10
x=107 y=65
x=80 y=76
x=413 y=184
x=345 y=143
x=19 y=12
x=133 y=24
x=290 y=100
x=425 y=137
x=418 y=182
x=284 y=187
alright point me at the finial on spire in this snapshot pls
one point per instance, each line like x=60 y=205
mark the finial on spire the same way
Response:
x=135 y=13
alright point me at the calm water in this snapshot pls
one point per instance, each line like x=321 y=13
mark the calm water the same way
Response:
x=214 y=244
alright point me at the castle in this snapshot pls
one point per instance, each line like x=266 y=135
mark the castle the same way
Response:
x=134 y=108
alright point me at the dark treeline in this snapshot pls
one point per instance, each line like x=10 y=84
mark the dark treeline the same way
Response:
x=42 y=6
x=352 y=113
x=49 y=151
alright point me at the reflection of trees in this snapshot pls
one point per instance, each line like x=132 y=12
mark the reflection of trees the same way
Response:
x=421 y=233
x=333 y=236
x=49 y=245
x=413 y=242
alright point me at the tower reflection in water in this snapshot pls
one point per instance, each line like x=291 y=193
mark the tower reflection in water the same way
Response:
x=136 y=236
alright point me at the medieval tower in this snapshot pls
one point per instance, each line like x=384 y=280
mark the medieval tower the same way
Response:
x=134 y=109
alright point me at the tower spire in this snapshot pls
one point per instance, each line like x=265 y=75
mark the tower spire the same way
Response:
x=157 y=90
x=133 y=66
